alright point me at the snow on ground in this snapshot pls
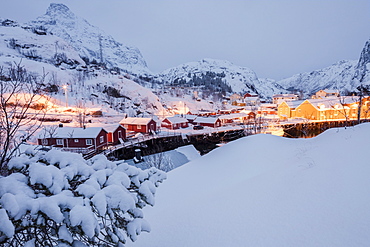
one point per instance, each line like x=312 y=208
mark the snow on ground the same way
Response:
x=168 y=160
x=265 y=190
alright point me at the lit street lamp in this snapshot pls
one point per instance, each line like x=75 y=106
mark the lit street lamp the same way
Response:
x=65 y=87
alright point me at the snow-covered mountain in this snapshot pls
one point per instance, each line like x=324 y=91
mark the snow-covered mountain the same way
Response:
x=345 y=76
x=337 y=76
x=219 y=75
x=17 y=42
x=90 y=42
x=55 y=62
x=362 y=74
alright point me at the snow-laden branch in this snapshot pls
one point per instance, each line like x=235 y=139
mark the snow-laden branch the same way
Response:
x=55 y=197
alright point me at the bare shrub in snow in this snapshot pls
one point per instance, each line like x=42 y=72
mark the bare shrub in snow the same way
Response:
x=18 y=109
x=161 y=161
x=81 y=113
x=56 y=198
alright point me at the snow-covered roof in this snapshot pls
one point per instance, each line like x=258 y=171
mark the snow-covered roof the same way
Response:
x=294 y=103
x=112 y=127
x=206 y=119
x=330 y=102
x=284 y=95
x=268 y=105
x=190 y=117
x=327 y=103
x=72 y=132
x=251 y=98
x=135 y=120
x=176 y=120
x=233 y=115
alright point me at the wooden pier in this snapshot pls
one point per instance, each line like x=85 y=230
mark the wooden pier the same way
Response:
x=150 y=144
x=312 y=129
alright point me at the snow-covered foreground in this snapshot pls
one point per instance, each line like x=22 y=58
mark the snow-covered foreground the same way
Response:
x=265 y=190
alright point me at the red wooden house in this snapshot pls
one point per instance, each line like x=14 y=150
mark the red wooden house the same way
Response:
x=142 y=125
x=116 y=133
x=213 y=122
x=77 y=140
x=236 y=117
x=175 y=123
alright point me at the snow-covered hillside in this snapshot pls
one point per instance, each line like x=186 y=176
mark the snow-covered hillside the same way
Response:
x=17 y=42
x=207 y=71
x=90 y=41
x=56 y=63
x=265 y=190
x=337 y=76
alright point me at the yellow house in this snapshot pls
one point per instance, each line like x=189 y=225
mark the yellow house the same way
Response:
x=306 y=110
x=286 y=109
x=326 y=109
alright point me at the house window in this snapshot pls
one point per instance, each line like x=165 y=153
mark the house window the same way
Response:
x=44 y=141
x=101 y=139
x=88 y=142
x=59 y=141
x=139 y=127
x=76 y=140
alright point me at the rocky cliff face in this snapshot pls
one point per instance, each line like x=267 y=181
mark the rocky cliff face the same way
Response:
x=91 y=43
x=362 y=73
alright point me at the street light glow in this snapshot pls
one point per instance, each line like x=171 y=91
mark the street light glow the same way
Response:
x=65 y=87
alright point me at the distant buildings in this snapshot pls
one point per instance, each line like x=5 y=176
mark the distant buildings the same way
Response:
x=279 y=98
x=321 y=94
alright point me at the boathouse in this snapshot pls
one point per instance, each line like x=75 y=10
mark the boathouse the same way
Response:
x=77 y=140
x=136 y=124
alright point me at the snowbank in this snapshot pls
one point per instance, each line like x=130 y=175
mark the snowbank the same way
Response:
x=265 y=190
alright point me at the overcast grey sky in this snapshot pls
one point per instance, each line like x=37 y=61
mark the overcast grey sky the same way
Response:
x=276 y=38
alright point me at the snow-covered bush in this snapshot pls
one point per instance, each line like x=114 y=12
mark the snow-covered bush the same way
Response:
x=57 y=198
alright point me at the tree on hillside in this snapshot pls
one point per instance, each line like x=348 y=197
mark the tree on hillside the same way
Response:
x=19 y=109
x=81 y=113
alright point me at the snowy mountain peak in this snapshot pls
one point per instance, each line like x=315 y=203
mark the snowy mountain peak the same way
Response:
x=362 y=74
x=58 y=9
x=91 y=43
x=365 y=55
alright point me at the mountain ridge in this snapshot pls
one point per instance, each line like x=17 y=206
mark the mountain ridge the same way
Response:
x=90 y=42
